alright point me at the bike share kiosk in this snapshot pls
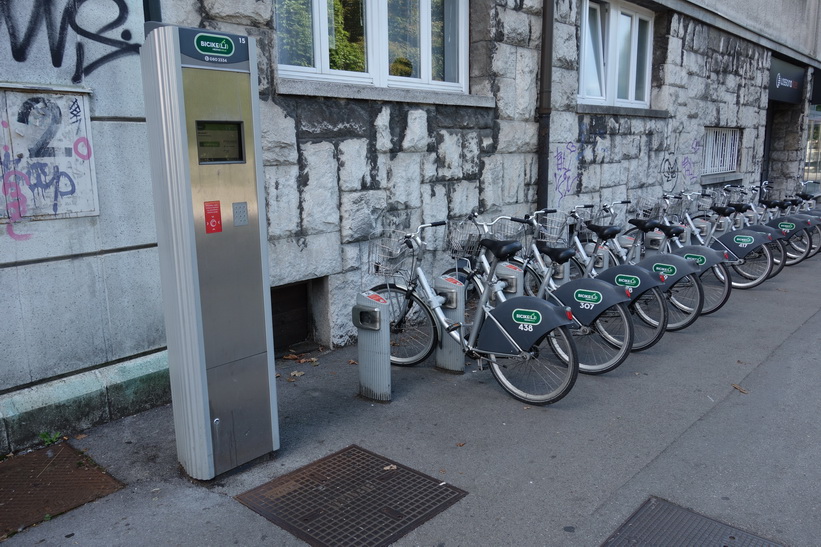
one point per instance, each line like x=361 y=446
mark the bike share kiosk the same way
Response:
x=206 y=164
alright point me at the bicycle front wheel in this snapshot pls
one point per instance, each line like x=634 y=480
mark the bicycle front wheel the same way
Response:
x=545 y=374
x=604 y=344
x=754 y=268
x=685 y=301
x=650 y=318
x=717 y=286
x=413 y=329
x=799 y=246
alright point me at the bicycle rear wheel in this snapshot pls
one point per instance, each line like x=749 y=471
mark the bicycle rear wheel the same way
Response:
x=545 y=375
x=606 y=343
x=753 y=269
x=685 y=301
x=413 y=330
x=650 y=316
x=717 y=285
x=779 y=252
x=798 y=246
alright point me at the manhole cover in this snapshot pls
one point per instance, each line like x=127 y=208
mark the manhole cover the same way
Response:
x=352 y=497
x=44 y=483
x=659 y=522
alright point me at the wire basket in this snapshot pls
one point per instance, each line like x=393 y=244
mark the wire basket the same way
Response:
x=552 y=228
x=505 y=229
x=705 y=201
x=387 y=252
x=678 y=206
x=647 y=208
x=736 y=194
x=463 y=238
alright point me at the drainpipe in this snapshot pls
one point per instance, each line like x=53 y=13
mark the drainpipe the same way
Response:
x=545 y=95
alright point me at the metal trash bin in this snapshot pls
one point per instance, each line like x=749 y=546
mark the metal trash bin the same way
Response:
x=371 y=317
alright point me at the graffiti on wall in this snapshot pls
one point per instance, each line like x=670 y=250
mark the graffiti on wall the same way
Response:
x=99 y=25
x=45 y=159
x=677 y=175
x=565 y=171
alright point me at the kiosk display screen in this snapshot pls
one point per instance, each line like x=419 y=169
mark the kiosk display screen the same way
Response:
x=219 y=142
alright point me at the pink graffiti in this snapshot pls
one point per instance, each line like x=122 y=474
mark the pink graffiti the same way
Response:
x=15 y=201
x=86 y=153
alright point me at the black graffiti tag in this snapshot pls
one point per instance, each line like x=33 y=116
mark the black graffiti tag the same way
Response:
x=44 y=13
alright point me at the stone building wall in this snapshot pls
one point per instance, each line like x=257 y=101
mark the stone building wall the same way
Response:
x=702 y=77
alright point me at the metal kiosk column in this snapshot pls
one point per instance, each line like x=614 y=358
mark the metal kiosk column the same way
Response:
x=206 y=164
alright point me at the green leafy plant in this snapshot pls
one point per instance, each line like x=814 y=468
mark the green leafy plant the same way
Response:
x=50 y=438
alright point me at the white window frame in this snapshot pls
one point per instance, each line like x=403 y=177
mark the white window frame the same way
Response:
x=721 y=146
x=376 y=40
x=608 y=66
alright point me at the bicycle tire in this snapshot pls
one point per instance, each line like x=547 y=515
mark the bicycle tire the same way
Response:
x=546 y=375
x=815 y=234
x=605 y=344
x=717 y=285
x=779 y=252
x=650 y=315
x=798 y=247
x=685 y=300
x=754 y=269
x=414 y=332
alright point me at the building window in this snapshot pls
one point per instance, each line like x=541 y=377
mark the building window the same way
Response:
x=616 y=51
x=420 y=44
x=720 y=150
x=812 y=158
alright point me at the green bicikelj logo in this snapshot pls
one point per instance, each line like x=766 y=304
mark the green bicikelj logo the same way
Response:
x=212 y=44
x=587 y=296
x=666 y=269
x=788 y=226
x=700 y=260
x=527 y=317
x=624 y=280
x=744 y=240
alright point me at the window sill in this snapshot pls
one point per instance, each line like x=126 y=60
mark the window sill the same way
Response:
x=289 y=86
x=621 y=111
x=721 y=178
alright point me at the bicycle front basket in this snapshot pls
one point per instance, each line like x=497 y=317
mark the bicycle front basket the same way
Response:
x=505 y=229
x=552 y=228
x=387 y=252
x=463 y=238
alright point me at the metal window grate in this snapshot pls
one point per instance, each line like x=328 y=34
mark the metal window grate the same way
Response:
x=720 y=150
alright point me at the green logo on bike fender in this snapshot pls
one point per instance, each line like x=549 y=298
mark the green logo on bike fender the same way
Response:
x=788 y=226
x=666 y=269
x=744 y=240
x=587 y=296
x=700 y=260
x=527 y=317
x=631 y=281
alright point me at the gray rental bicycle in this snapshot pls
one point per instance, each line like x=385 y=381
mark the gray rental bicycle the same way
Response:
x=525 y=340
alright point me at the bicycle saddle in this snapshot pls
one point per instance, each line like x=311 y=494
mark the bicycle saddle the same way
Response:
x=503 y=249
x=770 y=203
x=671 y=231
x=559 y=255
x=722 y=211
x=604 y=232
x=806 y=197
x=741 y=207
x=645 y=224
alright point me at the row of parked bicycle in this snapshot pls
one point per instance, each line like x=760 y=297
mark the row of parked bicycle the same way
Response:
x=556 y=293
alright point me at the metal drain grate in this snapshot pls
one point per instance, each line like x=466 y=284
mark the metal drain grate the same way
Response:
x=659 y=522
x=352 y=497
x=44 y=483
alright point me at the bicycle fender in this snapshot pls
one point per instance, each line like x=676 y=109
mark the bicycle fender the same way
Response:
x=636 y=279
x=704 y=256
x=672 y=267
x=789 y=225
x=775 y=232
x=589 y=298
x=525 y=319
x=741 y=242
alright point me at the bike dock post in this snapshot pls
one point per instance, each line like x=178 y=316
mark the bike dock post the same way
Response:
x=449 y=354
x=371 y=317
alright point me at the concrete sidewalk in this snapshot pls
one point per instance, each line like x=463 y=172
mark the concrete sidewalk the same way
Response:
x=668 y=423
